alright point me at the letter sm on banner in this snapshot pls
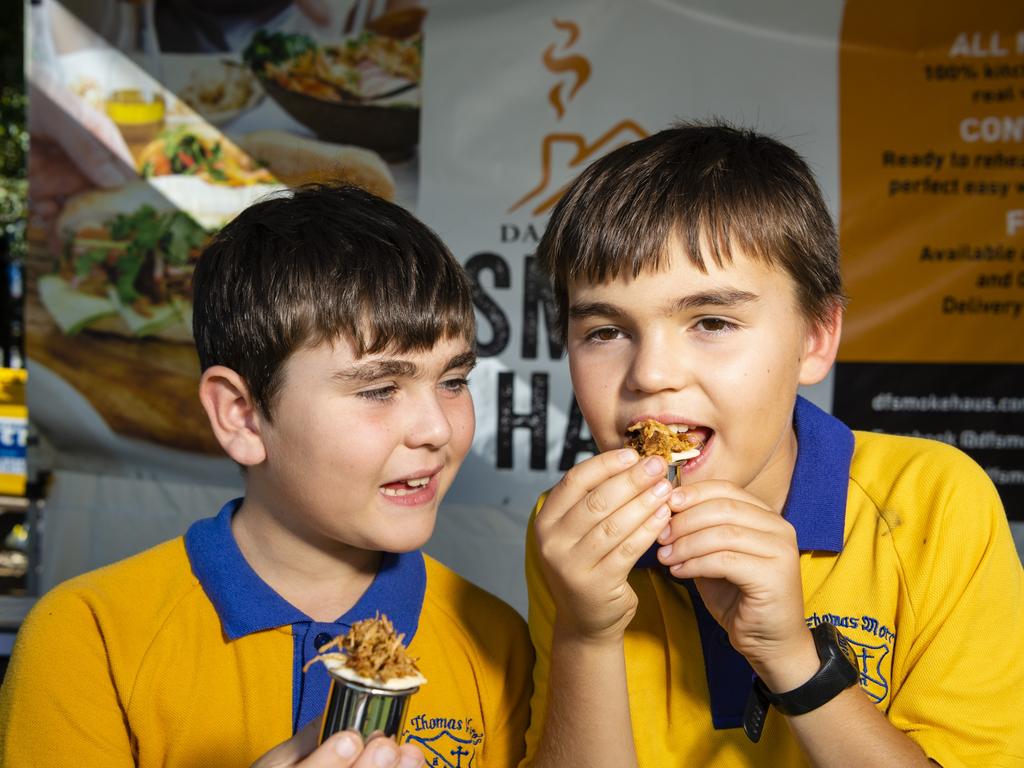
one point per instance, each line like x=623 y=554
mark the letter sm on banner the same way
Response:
x=932 y=227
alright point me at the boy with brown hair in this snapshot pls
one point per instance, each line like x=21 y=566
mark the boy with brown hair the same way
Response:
x=335 y=334
x=847 y=598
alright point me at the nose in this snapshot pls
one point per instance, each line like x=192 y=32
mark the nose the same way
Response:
x=430 y=425
x=657 y=364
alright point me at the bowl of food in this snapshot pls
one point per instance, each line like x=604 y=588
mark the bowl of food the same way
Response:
x=364 y=90
x=220 y=89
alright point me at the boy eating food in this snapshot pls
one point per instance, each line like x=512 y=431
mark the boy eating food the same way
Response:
x=335 y=333
x=807 y=595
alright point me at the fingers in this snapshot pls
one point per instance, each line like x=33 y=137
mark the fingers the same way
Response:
x=722 y=552
x=409 y=756
x=611 y=504
x=378 y=753
x=290 y=752
x=582 y=479
x=586 y=499
x=739 y=510
x=341 y=750
x=722 y=532
x=687 y=496
x=620 y=538
x=346 y=750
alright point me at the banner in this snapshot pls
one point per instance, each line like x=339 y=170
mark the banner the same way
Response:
x=208 y=109
x=932 y=228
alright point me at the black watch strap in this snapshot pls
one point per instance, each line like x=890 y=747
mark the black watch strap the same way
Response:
x=838 y=671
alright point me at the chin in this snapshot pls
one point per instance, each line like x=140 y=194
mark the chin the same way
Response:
x=409 y=541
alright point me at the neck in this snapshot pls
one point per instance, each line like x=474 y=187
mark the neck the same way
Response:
x=772 y=483
x=323 y=579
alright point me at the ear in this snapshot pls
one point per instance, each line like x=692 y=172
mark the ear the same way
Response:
x=233 y=416
x=821 y=345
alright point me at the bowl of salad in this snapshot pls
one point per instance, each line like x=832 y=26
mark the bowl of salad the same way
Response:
x=363 y=90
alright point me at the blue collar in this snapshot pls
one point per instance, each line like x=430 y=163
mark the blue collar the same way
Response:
x=246 y=604
x=816 y=507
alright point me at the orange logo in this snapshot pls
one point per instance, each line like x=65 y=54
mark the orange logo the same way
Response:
x=564 y=155
x=578 y=65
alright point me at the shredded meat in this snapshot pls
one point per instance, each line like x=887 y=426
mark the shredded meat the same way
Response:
x=371 y=649
x=652 y=438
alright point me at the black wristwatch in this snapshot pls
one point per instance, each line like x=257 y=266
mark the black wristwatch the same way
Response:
x=838 y=671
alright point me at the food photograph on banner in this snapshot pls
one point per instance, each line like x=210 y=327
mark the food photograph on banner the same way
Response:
x=153 y=123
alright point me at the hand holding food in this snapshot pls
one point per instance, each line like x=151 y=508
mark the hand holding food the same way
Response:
x=744 y=558
x=342 y=750
x=594 y=526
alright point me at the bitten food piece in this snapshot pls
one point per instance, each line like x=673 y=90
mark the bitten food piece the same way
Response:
x=652 y=438
x=371 y=654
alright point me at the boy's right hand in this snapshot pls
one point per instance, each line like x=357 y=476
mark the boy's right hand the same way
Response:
x=593 y=527
x=341 y=750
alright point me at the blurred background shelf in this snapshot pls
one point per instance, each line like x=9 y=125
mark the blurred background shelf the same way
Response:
x=19 y=567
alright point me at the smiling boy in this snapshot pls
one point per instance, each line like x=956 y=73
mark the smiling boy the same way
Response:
x=729 y=620
x=335 y=334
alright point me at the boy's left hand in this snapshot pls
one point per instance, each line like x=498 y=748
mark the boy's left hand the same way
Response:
x=342 y=750
x=745 y=562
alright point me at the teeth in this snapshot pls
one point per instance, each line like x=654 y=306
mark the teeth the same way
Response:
x=679 y=428
x=411 y=487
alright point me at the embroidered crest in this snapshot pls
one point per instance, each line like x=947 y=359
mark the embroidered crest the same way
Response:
x=872 y=676
x=445 y=742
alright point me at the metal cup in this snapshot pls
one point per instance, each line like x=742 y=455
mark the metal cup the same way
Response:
x=366 y=710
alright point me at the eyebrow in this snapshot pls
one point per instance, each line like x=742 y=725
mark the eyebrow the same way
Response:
x=726 y=297
x=373 y=370
x=465 y=359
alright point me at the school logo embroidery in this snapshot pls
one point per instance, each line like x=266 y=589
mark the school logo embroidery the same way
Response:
x=872 y=677
x=446 y=742
x=872 y=640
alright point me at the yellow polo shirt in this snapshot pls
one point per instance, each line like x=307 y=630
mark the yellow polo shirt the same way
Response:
x=905 y=546
x=183 y=656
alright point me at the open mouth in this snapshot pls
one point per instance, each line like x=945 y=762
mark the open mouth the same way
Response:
x=676 y=443
x=406 y=487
